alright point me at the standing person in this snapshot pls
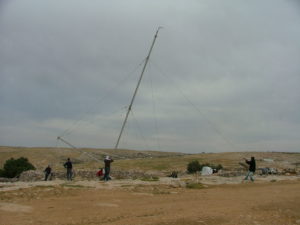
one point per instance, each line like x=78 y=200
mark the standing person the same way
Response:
x=107 y=162
x=47 y=172
x=68 y=165
x=252 y=168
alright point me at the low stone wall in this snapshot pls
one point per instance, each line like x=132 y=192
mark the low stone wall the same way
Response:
x=4 y=179
x=31 y=175
x=35 y=175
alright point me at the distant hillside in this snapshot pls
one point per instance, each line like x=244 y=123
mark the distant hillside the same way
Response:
x=41 y=156
x=143 y=160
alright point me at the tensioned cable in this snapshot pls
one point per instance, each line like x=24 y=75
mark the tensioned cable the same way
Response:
x=154 y=112
x=77 y=122
x=92 y=119
x=140 y=130
x=213 y=126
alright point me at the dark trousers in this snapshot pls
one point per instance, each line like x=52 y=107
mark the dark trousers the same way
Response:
x=106 y=174
x=46 y=176
x=69 y=173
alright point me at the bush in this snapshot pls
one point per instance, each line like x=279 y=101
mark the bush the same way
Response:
x=14 y=167
x=219 y=167
x=194 y=166
x=1 y=173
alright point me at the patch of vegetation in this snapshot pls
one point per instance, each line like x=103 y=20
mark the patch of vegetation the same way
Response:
x=157 y=191
x=195 y=186
x=194 y=166
x=14 y=167
x=74 y=186
x=217 y=167
x=45 y=186
x=174 y=174
x=126 y=185
x=146 y=215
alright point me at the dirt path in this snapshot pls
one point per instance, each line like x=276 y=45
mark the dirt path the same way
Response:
x=135 y=203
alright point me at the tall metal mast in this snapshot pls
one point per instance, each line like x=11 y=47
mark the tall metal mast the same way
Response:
x=136 y=89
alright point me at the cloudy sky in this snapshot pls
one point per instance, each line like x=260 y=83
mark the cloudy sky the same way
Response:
x=223 y=75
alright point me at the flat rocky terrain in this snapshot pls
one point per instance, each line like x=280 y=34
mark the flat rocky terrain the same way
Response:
x=146 y=195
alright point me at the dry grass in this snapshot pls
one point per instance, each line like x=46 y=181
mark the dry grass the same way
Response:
x=142 y=160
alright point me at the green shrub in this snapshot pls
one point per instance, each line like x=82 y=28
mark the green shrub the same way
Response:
x=1 y=173
x=195 y=186
x=14 y=167
x=218 y=167
x=194 y=166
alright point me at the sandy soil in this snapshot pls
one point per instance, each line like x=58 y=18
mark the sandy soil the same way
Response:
x=269 y=200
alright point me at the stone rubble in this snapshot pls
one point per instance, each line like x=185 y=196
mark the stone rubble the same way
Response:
x=36 y=175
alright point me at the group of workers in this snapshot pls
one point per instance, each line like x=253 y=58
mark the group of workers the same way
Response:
x=69 y=166
x=107 y=161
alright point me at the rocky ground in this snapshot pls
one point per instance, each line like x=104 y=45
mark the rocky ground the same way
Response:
x=187 y=200
x=140 y=192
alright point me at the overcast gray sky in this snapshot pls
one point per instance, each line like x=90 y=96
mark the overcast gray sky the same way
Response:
x=223 y=75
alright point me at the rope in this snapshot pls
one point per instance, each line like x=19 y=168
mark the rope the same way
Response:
x=212 y=124
x=79 y=150
x=76 y=123
x=154 y=112
x=140 y=131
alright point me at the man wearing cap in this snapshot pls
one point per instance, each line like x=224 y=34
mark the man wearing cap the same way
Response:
x=68 y=165
x=107 y=162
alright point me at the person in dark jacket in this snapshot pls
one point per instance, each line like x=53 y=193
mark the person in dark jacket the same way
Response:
x=252 y=168
x=47 y=172
x=68 y=165
x=107 y=162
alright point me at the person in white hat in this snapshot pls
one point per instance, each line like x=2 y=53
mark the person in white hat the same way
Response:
x=107 y=162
